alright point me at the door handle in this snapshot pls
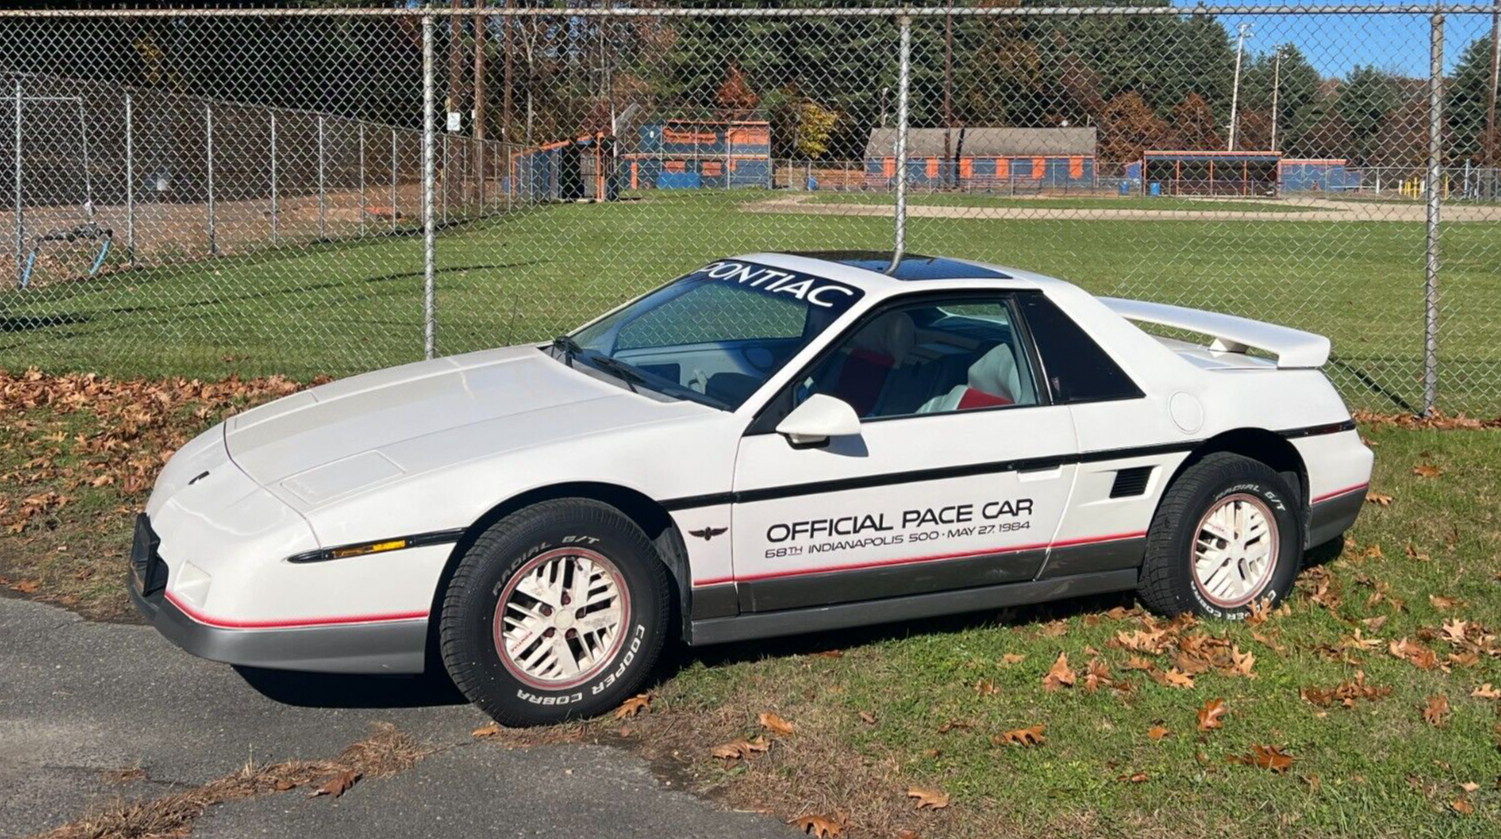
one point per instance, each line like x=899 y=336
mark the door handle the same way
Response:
x=1045 y=473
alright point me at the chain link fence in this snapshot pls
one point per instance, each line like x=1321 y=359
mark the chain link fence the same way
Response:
x=328 y=190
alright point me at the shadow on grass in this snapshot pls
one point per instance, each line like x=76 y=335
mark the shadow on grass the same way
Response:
x=29 y=323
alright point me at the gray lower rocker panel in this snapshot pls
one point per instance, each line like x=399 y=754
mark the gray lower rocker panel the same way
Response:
x=395 y=647
x=822 y=618
x=1328 y=519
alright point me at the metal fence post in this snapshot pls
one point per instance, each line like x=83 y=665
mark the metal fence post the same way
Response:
x=393 y=180
x=429 y=267
x=1435 y=192
x=904 y=77
x=20 y=208
x=362 y=180
x=130 y=180
x=322 y=213
x=275 y=207
x=208 y=127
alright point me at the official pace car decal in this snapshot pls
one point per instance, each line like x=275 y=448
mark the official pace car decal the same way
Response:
x=844 y=534
x=815 y=291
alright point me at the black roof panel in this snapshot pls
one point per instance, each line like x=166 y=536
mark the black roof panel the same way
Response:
x=914 y=266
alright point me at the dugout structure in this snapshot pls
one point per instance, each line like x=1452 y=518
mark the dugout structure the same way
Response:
x=699 y=154
x=986 y=159
x=581 y=169
x=1245 y=174
x=1316 y=175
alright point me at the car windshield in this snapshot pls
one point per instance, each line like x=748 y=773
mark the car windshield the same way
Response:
x=713 y=336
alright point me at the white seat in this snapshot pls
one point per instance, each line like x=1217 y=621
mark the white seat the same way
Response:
x=993 y=380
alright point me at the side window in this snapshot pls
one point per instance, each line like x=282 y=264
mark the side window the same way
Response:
x=928 y=358
x=1077 y=369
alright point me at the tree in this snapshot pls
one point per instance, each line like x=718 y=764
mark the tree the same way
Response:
x=1468 y=102
x=735 y=94
x=1365 y=100
x=815 y=126
x=1194 y=122
x=1297 y=84
x=1130 y=126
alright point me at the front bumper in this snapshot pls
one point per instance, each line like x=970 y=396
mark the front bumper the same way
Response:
x=386 y=647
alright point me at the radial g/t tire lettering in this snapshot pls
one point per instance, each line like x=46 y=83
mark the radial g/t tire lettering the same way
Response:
x=557 y=611
x=1227 y=535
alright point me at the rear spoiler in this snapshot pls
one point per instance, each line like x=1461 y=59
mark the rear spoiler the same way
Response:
x=1292 y=347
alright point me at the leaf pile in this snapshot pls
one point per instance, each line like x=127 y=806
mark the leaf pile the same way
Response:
x=131 y=427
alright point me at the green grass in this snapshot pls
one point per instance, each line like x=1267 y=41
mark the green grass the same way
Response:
x=343 y=307
x=1102 y=202
x=1375 y=770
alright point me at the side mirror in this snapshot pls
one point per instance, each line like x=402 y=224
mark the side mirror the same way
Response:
x=816 y=420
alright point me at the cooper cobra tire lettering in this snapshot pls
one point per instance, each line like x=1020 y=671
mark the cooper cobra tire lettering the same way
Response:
x=545 y=535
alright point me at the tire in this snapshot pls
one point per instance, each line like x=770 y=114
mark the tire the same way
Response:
x=1231 y=576
x=523 y=574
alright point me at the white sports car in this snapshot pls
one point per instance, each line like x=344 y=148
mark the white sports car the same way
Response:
x=773 y=444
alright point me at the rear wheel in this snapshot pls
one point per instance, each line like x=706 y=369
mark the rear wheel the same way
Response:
x=1226 y=536
x=557 y=611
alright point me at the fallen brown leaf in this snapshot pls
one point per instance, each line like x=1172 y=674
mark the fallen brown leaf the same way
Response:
x=1436 y=710
x=1157 y=732
x=633 y=706
x=775 y=724
x=740 y=749
x=820 y=827
x=338 y=784
x=486 y=731
x=929 y=799
x=1265 y=757
x=1030 y=736
x=1060 y=675
x=1211 y=716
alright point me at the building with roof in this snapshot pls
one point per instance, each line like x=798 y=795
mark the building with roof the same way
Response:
x=986 y=159
x=700 y=153
x=1214 y=173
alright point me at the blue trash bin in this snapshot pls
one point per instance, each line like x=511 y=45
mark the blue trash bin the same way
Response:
x=1156 y=189
x=1125 y=187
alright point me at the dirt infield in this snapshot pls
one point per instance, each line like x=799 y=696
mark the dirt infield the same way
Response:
x=1308 y=209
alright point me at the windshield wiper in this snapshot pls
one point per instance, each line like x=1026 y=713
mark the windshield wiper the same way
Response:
x=621 y=370
x=569 y=348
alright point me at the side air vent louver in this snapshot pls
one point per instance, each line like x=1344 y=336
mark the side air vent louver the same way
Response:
x=1129 y=482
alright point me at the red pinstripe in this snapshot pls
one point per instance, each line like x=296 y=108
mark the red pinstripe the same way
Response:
x=1346 y=491
x=224 y=623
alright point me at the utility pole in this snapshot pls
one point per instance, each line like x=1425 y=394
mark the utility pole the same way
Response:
x=1491 y=159
x=948 y=98
x=454 y=100
x=481 y=23
x=1276 y=88
x=505 y=81
x=1240 y=49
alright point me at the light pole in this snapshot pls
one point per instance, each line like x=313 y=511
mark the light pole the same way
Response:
x=1276 y=88
x=1490 y=118
x=1240 y=49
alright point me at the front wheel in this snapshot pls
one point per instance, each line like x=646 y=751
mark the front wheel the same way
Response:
x=557 y=611
x=1226 y=537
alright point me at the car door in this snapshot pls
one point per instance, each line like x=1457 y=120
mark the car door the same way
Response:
x=958 y=478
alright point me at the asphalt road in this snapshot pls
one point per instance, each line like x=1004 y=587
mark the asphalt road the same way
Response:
x=79 y=700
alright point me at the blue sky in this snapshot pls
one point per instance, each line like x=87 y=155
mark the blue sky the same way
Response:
x=1335 y=44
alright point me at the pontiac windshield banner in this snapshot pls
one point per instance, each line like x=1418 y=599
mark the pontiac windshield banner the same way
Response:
x=815 y=291
x=919 y=524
